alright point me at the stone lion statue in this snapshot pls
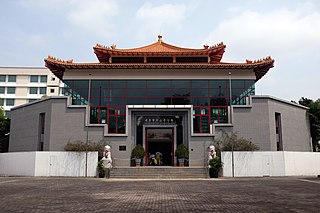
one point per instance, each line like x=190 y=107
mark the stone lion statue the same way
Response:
x=107 y=160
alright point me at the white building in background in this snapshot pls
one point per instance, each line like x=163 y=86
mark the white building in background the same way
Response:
x=20 y=85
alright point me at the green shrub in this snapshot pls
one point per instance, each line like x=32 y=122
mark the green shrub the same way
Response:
x=80 y=146
x=216 y=163
x=226 y=141
x=138 y=152
x=182 y=151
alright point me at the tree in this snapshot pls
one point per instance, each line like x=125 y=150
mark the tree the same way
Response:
x=4 y=131
x=80 y=146
x=226 y=141
x=314 y=119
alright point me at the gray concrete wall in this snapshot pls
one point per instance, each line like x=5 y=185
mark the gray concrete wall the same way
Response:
x=62 y=124
x=295 y=126
x=68 y=125
x=24 y=129
x=257 y=123
x=65 y=123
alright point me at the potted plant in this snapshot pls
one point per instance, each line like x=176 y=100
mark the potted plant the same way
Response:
x=138 y=153
x=215 y=166
x=181 y=153
x=101 y=169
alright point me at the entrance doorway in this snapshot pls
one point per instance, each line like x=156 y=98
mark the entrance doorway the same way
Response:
x=160 y=145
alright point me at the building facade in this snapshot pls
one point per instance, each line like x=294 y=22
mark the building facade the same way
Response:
x=159 y=96
x=20 y=85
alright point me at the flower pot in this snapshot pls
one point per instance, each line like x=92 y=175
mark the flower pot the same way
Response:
x=101 y=174
x=213 y=173
x=138 y=162
x=181 y=162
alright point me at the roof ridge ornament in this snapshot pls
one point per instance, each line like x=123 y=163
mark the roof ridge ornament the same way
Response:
x=159 y=38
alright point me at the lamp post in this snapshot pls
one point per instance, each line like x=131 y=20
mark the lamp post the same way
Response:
x=87 y=142
x=232 y=145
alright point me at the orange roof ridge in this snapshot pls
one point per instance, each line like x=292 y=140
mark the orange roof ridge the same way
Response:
x=266 y=59
x=159 y=46
x=51 y=58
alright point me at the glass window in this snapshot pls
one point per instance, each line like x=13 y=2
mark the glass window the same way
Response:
x=94 y=115
x=181 y=84
x=32 y=100
x=180 y=92
x=11 y=78
x=159 y=84
x=2 y=89
x=199 y=101
x=180 y=101
x=34 y=78
x=218 y=101
x=103 y=115
x=1 y=102
x=136 y=92
x=200 y=92
x=216 y=84
x=97 y=84
x=43 y=79
x=117 y=84
x=237 y=84
x=137 y=100
x=118 y=92
x=11 y=90
x=121 y=124
x=33 y=90
x=43 y=90
x=196 y=124
x=158 y=92
x=117 y=101
x=10 y=102
x=137 y=84
x=51 y=90
x=200 y=84
x=112 y=124
x=2 y=78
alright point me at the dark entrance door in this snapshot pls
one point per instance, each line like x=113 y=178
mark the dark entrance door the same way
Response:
x=160 y=140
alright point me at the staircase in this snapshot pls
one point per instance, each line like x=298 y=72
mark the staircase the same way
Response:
x=159 y=172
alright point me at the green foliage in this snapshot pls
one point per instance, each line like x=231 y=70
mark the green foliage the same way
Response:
x=101 y=169
x=4 y=131
x=182 y=151
x=80 y=146
x=216 y=163
x=138 y=152
x=226 y=141
x=314 y=119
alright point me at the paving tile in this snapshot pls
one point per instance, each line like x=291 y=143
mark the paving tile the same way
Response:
x=19 y=194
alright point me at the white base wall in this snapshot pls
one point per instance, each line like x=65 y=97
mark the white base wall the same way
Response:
x=259 y=164
x=71 y=164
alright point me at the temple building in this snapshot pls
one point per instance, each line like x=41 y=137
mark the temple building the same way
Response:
x=159 y=96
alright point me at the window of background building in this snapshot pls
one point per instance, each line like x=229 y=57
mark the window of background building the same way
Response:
x=1 y=102
x=32 y=100
x=33 y=90
x=43 y=90
x=51 y=90
x=2 y=78
x=2 y=89
x=34 y=79
x=43 y=79
x=10 y=102
x=11 y=90
x=12 y=78
x=53 y=78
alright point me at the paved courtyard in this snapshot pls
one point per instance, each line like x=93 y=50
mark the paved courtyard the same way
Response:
x=20 y=194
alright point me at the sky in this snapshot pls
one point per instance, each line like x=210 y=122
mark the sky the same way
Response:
x=286 y=30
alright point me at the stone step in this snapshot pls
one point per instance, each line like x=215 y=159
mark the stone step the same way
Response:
x=159 y=172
